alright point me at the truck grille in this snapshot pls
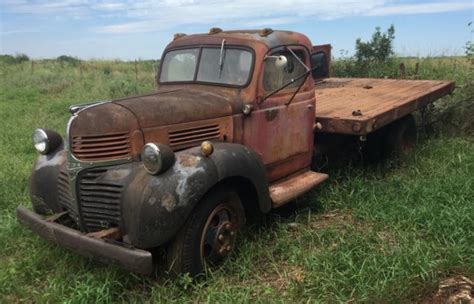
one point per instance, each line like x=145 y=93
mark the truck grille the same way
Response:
x=65 y=196
x=185 y=138
x=101 y=147
x=99 y=201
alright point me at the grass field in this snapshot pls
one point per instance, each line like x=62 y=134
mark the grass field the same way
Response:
x=384 y=233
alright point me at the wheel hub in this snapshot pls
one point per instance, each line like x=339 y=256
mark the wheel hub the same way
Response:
x=219 y=235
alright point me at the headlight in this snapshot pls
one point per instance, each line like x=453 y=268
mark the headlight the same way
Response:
x=46 y=141
x=157 y=158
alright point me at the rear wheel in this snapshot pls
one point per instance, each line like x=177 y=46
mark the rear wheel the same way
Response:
x=401 y=137
x=208 y=236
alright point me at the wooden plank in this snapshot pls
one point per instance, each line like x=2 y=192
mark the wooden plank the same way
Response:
x=377 y=102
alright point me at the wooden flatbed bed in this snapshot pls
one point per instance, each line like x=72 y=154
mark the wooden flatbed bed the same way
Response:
x=359 y=106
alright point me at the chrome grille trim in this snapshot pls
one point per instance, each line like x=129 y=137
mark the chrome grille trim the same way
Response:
x=65 y=195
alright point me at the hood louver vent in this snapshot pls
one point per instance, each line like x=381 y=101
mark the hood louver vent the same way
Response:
x=185 y=138
x=101 y=147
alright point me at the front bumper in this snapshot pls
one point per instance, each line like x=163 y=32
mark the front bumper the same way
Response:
x=136 y=260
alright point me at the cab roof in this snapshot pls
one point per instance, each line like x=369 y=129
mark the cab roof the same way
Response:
x=270 y=38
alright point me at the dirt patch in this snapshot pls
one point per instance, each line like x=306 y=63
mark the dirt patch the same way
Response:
x=454 y=290
x=279 y=279
x=339 y=219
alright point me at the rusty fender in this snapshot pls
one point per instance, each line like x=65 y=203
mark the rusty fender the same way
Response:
x=155 y=207
x=43 y=182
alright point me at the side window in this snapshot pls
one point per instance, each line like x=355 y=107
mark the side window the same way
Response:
x=275 y=77
x=319 y=61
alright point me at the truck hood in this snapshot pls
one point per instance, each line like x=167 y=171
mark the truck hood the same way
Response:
x=175 y=106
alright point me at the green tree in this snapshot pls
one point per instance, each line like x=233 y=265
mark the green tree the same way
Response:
x=20 y=57
x=378 y=49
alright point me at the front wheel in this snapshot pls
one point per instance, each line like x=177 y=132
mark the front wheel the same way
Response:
x=209 y=234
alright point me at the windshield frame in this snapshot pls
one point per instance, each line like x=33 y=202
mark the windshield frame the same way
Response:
x=201 y=47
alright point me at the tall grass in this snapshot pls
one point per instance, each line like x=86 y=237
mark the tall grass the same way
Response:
x=386 y=233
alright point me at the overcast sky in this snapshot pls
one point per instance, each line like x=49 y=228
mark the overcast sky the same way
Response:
x=141 y=29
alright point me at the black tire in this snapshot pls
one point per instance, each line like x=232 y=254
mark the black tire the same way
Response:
x=209 y=234
x=401 y=137
x=373 y=149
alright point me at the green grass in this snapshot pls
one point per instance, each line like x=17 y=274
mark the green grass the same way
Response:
x=383 y=233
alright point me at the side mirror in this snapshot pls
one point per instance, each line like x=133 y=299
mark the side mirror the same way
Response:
x=319 y=64
x=280 y=61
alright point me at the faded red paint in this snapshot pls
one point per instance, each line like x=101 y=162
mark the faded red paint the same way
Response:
x=281 y=134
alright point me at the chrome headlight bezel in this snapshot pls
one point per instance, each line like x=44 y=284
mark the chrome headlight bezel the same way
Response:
x=156 y=158
x=46 y=141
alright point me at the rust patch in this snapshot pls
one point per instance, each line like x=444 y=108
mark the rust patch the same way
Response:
x=112 y=233
x=189 y=160
x=119 y=174
x=168 y=202
x=56 y=216
x=271 y=114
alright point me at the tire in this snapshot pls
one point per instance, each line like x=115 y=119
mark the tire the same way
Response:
x=401 y=137
x=373 y=150
x=209 y=234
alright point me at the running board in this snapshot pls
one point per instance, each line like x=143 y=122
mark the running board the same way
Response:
x=287 y=189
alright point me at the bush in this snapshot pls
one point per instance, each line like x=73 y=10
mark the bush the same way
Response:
x=18 y=58
x=379 y=49
x=8 y=59
x=74 y=61
x=372 y=58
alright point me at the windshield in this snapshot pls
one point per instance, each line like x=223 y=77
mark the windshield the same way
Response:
x=180 y=65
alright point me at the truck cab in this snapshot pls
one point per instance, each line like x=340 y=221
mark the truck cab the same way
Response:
x=268 y=112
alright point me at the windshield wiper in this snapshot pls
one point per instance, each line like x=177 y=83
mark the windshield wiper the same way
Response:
x=221 y=57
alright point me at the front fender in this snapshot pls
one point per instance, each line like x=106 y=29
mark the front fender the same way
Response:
x=43 y=181
x=155 y=207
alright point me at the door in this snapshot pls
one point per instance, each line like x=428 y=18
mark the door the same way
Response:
x=320 y=61
x=280 y=129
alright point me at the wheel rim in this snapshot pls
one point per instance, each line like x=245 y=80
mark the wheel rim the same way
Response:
x=219 y=234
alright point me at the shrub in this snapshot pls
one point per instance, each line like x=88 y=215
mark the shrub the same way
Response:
x=379 y=48
x=74 y=61
x=20 y=57
x=8 y=59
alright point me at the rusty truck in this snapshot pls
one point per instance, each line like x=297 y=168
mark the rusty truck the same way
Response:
x=230 y=131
